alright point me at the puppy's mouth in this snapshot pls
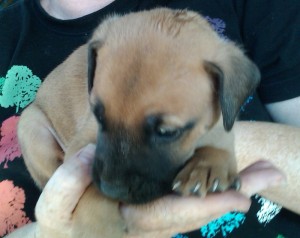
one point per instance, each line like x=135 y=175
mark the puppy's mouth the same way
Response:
x=131 y=187
x=135 y=189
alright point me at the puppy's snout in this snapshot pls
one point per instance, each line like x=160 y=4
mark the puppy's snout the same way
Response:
x=113 y=190
x=132 y=171
x=124 y=148
x=97 y=170
x=106 y=181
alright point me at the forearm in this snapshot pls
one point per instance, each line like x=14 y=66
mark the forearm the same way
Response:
x=286 y=112
x=279 y=144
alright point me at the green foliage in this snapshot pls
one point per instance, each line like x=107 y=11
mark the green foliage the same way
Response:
x=19 y=88
x=1 y=84
x=280 y=236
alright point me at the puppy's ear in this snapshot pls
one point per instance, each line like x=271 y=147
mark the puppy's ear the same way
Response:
x=92 y=62
x=237 y=78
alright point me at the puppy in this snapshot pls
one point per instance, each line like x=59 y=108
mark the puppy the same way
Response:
x=158 y=92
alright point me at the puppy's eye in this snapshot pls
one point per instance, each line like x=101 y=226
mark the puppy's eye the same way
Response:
x=156 y=130
x=99 y=114
x=168 y=133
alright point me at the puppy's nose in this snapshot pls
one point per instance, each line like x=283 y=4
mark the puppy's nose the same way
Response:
x=113 y=190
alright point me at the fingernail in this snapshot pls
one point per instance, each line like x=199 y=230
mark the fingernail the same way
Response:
x=86 y=154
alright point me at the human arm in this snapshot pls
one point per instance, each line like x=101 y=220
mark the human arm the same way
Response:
x=172 y=214
x=59 y=198
x=278 y=144
x=54 y=213
x=286 y=112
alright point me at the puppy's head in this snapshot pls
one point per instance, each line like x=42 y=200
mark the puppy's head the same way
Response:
x=158 y=82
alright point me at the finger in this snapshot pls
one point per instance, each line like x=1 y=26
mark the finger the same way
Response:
x=63 y=191
x=177 y=213
x=180 y=214
x=259 y=176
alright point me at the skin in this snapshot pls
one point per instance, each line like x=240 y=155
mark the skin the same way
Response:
x=71 y=9
x=286 y=112
x=279 y=144
x=158 y=223
x=143 y=222
x=72 y=177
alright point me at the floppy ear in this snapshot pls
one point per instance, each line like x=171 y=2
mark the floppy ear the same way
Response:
x=92 y=62
x=237 y=78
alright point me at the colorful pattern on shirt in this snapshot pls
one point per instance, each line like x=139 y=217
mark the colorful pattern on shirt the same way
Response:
x=9 y=147
x=17 y=89
x=224 y=225
x=12 y=202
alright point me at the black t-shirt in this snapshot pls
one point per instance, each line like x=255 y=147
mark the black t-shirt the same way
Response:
x=32 y=43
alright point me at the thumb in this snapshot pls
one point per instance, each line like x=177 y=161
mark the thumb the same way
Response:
x=64 y=189
x=182 y=213
x=260 y=176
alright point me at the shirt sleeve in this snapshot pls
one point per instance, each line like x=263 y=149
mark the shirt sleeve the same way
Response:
x=271 y=32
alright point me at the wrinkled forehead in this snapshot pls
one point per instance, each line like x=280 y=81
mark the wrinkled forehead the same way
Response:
x=150 y=75
x=132 y=90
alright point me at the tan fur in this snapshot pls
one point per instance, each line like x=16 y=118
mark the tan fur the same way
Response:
x=164 y=69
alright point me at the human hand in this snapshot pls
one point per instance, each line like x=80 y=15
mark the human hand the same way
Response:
x=68 y=183
x=173 y=214
x=161 y=218
x=60 y=197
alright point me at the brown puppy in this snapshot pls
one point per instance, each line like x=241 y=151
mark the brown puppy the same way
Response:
x=158 y=92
